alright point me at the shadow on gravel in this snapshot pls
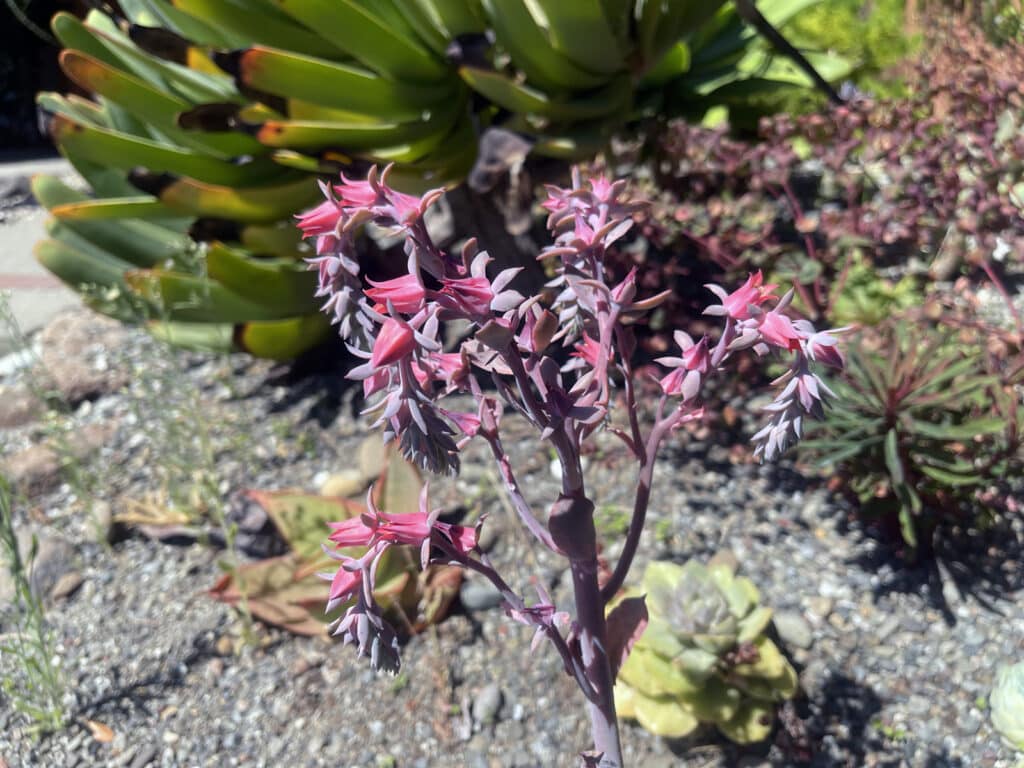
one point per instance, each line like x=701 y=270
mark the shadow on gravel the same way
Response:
x=943 y=760
x=135 y=696
x=838 y=723
x=984 y=566
x=318 y=375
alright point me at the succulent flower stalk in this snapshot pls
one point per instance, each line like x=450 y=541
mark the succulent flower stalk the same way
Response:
x=513 y=343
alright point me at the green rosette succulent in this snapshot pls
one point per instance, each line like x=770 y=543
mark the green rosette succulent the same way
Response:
x=704 y=657
x=1007 y=704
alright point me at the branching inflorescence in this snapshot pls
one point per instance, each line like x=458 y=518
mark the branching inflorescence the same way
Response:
x=510 y=359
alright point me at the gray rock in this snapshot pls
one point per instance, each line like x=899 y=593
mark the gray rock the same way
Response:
x=489 y=535
x=66 y=585
x=486 y=704
x=819 y=607
x=478 y=594
x=887 y=627
x=145 y=756
x=73 y=353
x=103 y=527
x=813 y=678
x=54 y=560
x=793 y=629
x=346 y=482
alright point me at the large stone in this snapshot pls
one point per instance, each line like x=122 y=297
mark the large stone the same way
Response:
x=18 y=406
x=32 y=470
x=487 y=704
x=478 y=594
x=346 y=483
x=76 y=350
x=37 y=469
x=55 y=559
x=50 y=568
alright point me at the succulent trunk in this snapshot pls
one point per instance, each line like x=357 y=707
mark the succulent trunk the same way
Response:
x=593 y=644
x=572 y=527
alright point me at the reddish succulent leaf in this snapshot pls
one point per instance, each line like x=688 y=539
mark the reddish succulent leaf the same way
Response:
x=440 y=586
x=279 y=591
x=626 y=623
x=287 y=592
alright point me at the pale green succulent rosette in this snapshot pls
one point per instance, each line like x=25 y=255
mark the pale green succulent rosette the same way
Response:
x=1007 y=704
x=704 y=657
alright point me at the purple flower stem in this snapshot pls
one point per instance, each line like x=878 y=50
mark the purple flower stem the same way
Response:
x=525 y=386
x=630 y=391
x=604 y=727
x=515 y=494
x=593 y=633
x=573 y=664
x=663 y=425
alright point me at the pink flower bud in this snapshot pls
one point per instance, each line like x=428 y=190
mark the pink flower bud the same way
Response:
x=405 y=293
x=696 y=357
x=322 y=220
x=394 y=341
x=624 y=293
x=778 y=330
x=344 y=585
x=737 y=304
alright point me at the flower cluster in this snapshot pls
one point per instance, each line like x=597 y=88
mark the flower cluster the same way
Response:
x=566 y=367
x=801 y=392
x=377 y=531
x=393 y=325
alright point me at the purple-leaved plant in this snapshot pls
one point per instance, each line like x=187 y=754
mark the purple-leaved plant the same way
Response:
x=394 y=327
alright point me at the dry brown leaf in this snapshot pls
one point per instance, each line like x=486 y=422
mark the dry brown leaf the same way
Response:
x=104 y=734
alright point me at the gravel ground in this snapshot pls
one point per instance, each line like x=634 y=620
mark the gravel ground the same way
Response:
x=895 y=664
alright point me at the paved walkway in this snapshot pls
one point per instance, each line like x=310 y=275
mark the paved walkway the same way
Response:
x=33 y=293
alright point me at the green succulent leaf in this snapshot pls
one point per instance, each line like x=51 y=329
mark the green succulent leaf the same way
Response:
x=302 y=518
x=653 y=675
x=754 y=624
x=752 y=723
x=770 y=663
x=715 y=702
x=229 y=110
x=664 y=717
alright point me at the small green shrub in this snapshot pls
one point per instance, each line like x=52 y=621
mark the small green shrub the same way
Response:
x=30 y=677
x=873 y=35
x=926 y=428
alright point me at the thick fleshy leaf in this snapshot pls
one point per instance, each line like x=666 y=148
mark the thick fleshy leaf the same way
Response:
x=753 y=624
x=654 y=676
x=626 y=623
x=715 y=702
x=664 y=717
x=770 y=663
x=302 y=518
x=751 y=723
x=278 y=591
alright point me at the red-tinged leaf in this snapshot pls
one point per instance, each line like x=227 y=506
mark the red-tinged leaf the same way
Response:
x=278 y=591
x=399 y=486
x=302 y=518
x=439 y=585
x=626 y=623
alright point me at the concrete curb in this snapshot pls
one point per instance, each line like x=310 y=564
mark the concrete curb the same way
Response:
x=33 y=294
